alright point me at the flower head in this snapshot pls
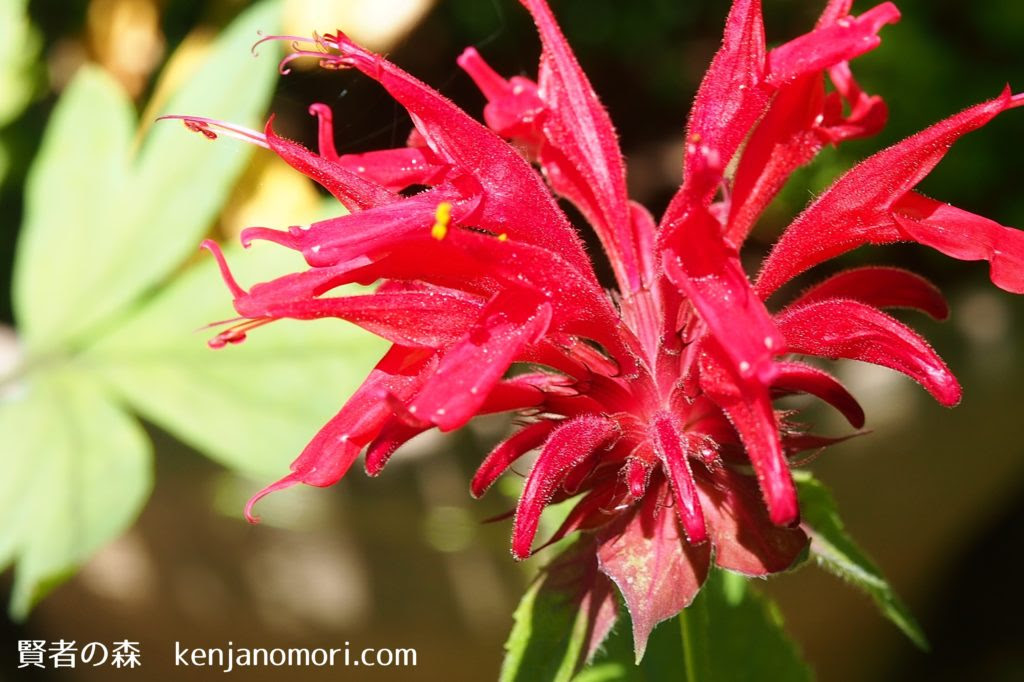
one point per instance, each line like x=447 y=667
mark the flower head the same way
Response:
x=652 y=405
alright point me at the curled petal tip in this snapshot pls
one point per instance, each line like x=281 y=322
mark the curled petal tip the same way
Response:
x=222 y=264
x=286 y=482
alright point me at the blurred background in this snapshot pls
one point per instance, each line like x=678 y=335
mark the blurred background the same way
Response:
x=404 y=560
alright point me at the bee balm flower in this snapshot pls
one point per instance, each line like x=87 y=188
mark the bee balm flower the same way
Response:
x=651 y=405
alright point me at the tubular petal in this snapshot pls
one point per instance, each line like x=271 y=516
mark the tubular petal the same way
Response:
x=471 y=367
x=856 y=210
x=837 y=328
x=796 y=377
x=567 y=446
x=881 y=287
x=965 y=236
x=672 y=447
x=578 y=126
x=507 y=452
x=352 y=190
x=328 y=457
x=749 y=408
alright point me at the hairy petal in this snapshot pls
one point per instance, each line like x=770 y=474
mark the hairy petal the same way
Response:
x=749 y=408
x=425 y=319
x=568 y=445
x=848 y=329
x=730 y=99
x=785 y=139
x=331 y=452
x=829 y=44
x=797 y=377
x=881 y=287
x=965 y=236
x=673 y=448
x=709 y=273
x=515 y=200
x=471 y=368
x=857 y=209
x=354 y=191
x=507 y=452
x=577 y=125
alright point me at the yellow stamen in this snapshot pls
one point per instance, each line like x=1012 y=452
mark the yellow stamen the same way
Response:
x=502 y=237
x=695 y=138
x=442 y=218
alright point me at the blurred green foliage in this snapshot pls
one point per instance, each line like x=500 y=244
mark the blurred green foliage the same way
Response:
x=106 y=322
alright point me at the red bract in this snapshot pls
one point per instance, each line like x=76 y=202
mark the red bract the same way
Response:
x=651 y=406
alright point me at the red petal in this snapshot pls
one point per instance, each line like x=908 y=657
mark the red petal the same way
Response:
x=515 y=199
x=569 y=444
x=656 y=570
x=396 y=169
x=745 y=539
x=796 y=377
x=590 y=166
x=829 y=45
x=749 y=407
x=848 y=329
x=881 y=287
x=965 y=236
x=331 y=452
x=514 y=107
x=507 y=452
x=856 y=210
x=352 y=190
x=673 y=450
x=708 y=271
x=368 y=233
x=596 y=508
x=471 y=368
x=785 y=139
x=392 y=436
x=426 y=319
x=729 y=101
x=521 y=392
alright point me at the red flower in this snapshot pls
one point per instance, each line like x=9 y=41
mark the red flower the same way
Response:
x=651 y=405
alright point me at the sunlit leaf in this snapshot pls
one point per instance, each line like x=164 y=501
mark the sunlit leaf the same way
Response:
x=77 y=470
x=734 y=634
x=19 y=45
x=101 y=227
x=253 y=406
x=182 y=180
x=837 y=553
x=72 y=195
x=564 y=615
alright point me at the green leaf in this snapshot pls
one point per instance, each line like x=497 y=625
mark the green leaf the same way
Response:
x=77 y=470
x=252 y=406
x=837 y=553
x=735 y=634
x=565 y=613
x=182 y=180
x=72 y=192
x=19 y=47
x=102 y=228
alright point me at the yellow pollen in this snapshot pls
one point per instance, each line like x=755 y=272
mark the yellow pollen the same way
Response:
x=442 y=217
x=502 y=237
x=695 y=138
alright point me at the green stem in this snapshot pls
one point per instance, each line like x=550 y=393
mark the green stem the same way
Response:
x=694 y=624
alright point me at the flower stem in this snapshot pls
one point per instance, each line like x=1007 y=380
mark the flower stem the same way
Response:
x=694 y=624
